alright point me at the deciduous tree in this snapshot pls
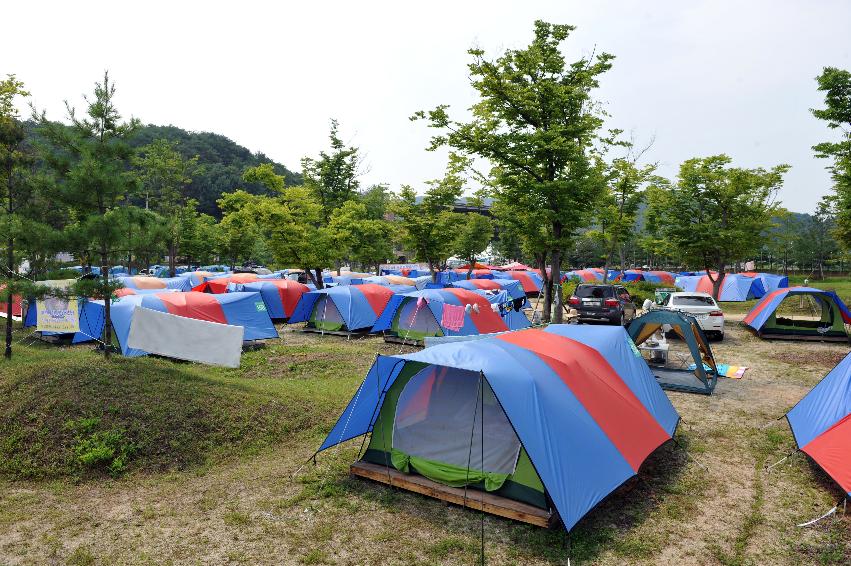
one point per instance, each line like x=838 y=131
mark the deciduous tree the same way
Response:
x=715 y=214
x=537 y=124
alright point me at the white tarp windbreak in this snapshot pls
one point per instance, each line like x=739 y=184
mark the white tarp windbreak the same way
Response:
x=185 y=338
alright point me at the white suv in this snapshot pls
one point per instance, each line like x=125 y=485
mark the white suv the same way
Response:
x=702 y=307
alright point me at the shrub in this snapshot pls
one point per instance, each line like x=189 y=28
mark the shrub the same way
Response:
x=99 y=449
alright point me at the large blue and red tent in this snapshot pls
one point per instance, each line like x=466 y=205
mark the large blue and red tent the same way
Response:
x=419 y=313
x=90 y=316
x=236 y=309
x=580 y=400
x=662 y=277
x=734 y=287
x=821 y=423
x=530 y=280
x=345 y=307
x=280 y=295
x=770 y=281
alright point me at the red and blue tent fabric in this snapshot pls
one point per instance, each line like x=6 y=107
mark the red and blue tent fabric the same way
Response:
x=220 y=283
x=762 y=311
x=485 y=321
x=236 y=309
x=734 y=287
x=514 y=266
x=663 y=277
x=280 y=295
x=583 y=275
x=198 y=277
x=476 y=273
x=141 y=282
x=388 y=280
x=821 y=424
x=510 y=286
x=530 y=280
x=359 y=306
x=581 y=400
x=770 y=281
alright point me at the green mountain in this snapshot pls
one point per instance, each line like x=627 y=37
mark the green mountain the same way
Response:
x=222 y=161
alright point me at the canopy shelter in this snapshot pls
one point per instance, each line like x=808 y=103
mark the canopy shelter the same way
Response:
x=145 y=283
x=695 y=372
x=534 y=424
x=821 y=423
x=279 y=295
x=770 y=281
x=236 y=309
x=734 y=287
x=344 y=309
x=413 y=316
x=800 y=313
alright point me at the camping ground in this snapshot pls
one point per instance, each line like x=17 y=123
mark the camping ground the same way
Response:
x=212 y=469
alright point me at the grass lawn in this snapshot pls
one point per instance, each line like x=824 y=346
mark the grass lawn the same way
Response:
x=211 y=469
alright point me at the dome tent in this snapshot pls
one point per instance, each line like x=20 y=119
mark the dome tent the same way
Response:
x=585 y=411
x=704 y=376
x=344 y=309
x=409 y=318
x=824 y=317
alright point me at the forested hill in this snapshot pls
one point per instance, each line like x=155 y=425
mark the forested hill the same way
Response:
x=222 y=161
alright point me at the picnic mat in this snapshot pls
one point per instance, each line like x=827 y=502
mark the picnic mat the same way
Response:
x=726 y=370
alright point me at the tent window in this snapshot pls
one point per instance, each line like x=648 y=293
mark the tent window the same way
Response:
x=416 y=321
x=326 y=316
x=435 y=414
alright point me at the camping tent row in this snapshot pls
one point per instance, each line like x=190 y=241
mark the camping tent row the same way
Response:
x=734 y=286
x=800 y=313
x=411 y=317
x=235 y=309
x=534 y=425
x=494 y=306
x=595 y=274
x=530 y=280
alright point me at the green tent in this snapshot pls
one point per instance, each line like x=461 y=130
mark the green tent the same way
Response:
x=397 y=426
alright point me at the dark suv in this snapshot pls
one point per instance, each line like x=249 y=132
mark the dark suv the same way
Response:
x=603 y=303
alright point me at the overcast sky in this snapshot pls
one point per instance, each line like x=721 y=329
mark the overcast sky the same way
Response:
x=701 y=77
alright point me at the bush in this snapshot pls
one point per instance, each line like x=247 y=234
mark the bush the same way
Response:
x=99 y=449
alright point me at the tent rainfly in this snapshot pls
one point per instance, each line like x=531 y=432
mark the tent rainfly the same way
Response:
x=735 y=287
x=531 y=425
x=821 y=423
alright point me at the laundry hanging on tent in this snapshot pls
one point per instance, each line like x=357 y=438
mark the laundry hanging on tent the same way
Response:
x=452 y=317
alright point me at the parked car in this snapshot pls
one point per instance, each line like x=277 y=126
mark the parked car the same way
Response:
x=701 y=306
x=603 y=303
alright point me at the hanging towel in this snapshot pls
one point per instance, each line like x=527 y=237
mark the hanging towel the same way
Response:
x=452 y=317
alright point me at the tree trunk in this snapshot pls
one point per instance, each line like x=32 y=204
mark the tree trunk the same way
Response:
x=320 y=284
x=172 y=261
x=10 y=266
x=432 y=272
x=470 y=270
x=557 y=296
x=107 y=300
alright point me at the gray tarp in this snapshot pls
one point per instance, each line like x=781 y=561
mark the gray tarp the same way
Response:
x=185 y=338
